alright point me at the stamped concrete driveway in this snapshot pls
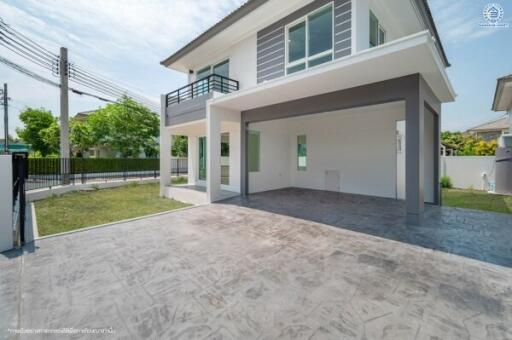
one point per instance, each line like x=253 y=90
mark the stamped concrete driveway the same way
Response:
x=227 y=271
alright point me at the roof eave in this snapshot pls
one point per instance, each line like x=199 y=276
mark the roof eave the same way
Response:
x=500 y=84
x=426 y=14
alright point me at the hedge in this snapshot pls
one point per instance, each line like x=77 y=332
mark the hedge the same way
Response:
x=50 y=166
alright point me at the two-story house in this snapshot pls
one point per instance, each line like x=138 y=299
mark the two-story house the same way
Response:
x=340 y=95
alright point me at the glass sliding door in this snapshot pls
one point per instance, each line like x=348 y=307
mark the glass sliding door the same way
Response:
x=202 y=86
x=221 y=69
x=202 y=158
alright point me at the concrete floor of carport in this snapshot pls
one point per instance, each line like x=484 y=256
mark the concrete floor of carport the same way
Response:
x=246 y=269
x=479 y=235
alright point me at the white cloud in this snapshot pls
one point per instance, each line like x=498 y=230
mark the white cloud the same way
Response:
x=118 y=39
x=459 y=21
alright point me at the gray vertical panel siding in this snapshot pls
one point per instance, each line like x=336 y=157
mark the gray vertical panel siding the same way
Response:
x=342 y=28
x=271 y=40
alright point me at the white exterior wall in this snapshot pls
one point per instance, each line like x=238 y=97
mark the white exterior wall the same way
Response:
x=386 y=20
x=6 y=231
x=359 y=143
x=360 y=25
x=466 y=171
x=242 y=62
x=275 y=157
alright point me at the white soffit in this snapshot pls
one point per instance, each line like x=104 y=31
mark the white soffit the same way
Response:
x=409 y=55
x=504 y=99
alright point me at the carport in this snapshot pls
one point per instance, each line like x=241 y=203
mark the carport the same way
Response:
x=352 y=143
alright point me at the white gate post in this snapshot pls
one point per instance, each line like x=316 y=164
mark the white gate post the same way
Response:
x=6 y=229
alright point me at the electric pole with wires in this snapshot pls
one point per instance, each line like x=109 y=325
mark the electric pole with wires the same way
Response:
x=64 y=115
x=5 y=100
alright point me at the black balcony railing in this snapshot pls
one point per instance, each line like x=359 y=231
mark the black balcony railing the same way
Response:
x=213 y=82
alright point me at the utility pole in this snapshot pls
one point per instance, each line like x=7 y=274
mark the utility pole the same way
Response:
x=6 y=119
x=64 y=115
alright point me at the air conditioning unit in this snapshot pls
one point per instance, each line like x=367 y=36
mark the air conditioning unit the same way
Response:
x=505 y=141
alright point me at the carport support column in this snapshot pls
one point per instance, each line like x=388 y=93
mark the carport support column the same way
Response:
x=213 y=154
x=414 y=171
x=165 y=148
x=244 y=173
x=192 y=159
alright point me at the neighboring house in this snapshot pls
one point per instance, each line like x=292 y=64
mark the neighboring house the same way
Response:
x=98 y=151
x=491 y=130
x=447 y=150
x=503 y=100
x=312 y=94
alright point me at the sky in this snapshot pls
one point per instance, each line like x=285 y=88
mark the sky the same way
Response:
x=126 y=40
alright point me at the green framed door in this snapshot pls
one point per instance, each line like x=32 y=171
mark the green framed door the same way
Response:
x=202 y=158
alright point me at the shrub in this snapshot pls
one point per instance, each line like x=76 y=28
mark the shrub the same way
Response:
x=446 y=182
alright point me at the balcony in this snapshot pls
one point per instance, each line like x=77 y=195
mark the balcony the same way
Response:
x=211 y=83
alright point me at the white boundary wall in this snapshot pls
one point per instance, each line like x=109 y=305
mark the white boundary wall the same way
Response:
x=468 y=171
x=6 y=231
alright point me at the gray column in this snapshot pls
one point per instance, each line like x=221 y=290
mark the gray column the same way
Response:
x=437 y=158
x=414 y=122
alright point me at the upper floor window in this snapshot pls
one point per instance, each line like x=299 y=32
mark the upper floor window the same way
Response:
x=309 y=40
x=222 y=69
x=203 y=87
x=377 y=32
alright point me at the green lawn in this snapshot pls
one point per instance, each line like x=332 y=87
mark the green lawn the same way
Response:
x=475 y=199
x=81 y=209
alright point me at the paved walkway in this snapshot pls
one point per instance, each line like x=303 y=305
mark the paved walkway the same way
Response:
x=226 y=271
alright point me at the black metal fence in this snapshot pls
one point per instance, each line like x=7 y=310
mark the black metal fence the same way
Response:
x=49 y=172
x=179 y=166
x=19 y=174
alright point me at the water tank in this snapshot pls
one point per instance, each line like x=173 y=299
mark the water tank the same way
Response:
x=504 y=170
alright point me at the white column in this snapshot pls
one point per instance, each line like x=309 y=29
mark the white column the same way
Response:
x=6 y=235
x=193 y=159
x=360 y=25
x=213 y=121
x=234 y=156
x=165 y=149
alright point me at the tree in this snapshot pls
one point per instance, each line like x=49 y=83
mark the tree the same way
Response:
x=179 y=146
x=467 y=144
x=51 y=138
x=484 y=148
x=39 y=130
x=80 y=135
x=99 y=126
x=127 y=126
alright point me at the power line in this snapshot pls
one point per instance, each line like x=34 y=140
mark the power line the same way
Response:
x=40 y=78
x=24 y=38
x=25 y=47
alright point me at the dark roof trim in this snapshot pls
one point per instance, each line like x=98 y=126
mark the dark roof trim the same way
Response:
x=251 y=5
x=500 y=83
x=229 y=20
x=429 y=21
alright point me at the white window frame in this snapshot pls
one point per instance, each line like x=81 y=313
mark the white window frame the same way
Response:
x=308 y=58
